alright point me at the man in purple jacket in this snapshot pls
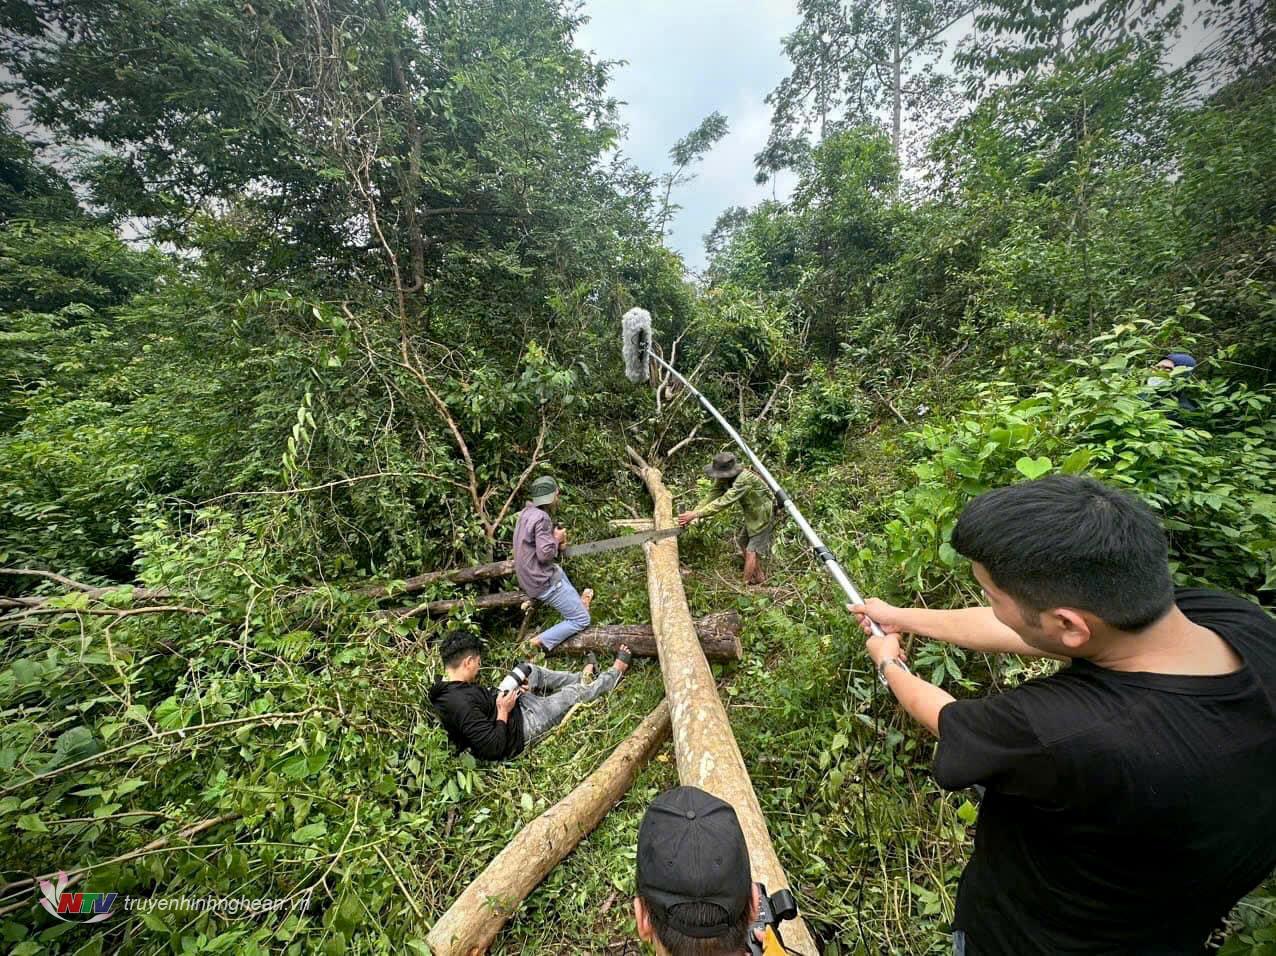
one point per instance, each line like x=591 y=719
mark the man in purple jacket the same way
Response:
x=537 y=545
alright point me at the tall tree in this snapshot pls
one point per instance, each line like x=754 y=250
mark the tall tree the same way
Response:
x=685 y=154
x=858 y=63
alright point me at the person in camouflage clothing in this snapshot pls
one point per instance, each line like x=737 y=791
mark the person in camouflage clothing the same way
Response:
x=732 y=484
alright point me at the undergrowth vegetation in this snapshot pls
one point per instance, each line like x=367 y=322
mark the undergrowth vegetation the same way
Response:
x=309 y=310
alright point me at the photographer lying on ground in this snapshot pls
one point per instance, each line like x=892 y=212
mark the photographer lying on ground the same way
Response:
x=1130 y=798
x=695 y=893
x=497 y=726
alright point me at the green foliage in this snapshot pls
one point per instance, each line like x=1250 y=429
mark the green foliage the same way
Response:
x=1209 y=471
x=28 y=188
x=830 y=405
x=398 y=240
x=685 y=153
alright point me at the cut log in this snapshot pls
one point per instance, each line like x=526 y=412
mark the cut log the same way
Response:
x=706 y=749
x=478 y=572
x=483 y=602
x=472 y=922
x=719 y=638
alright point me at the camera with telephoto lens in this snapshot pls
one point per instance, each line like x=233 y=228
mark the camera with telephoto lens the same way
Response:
x=772 y=911
x=516 y=678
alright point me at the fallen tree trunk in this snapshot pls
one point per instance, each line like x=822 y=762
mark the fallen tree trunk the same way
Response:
x=468 y=575
x=707 y=753
x=478 y=572
x=719 y=638
x=472 y=922
x=93 y=591
x=483 y=602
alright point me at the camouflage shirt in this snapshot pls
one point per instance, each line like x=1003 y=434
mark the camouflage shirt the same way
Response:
x=756 y=501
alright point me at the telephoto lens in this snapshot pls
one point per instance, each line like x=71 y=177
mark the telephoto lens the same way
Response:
x=516 y=677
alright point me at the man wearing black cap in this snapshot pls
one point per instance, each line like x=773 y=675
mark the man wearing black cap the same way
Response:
x=696 y=896
x=733 y=483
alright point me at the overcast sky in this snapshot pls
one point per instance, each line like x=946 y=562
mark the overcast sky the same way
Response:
x=687 y=58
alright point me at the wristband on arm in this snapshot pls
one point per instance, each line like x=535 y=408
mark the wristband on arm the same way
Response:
x=881 y=669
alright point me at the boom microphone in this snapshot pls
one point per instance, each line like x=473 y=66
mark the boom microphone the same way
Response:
x=639 y=355
x=635 y=343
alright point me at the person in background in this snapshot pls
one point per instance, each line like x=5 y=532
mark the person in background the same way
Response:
x=1180 y=365
x=498 y=726
x=537 y=545
x=1130 y=798
x=696 y=895
x=732 y=484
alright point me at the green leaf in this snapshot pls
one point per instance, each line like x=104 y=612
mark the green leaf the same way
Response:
x=153 y=921
x=31 y=823
x=1077 y=462
x=1033 y=467
x=967 y=813
x=296 y=767
x=310 y=832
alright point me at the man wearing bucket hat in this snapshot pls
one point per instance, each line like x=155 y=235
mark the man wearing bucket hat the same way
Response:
x=733 y=483
x=695 y=891
x=537 y=544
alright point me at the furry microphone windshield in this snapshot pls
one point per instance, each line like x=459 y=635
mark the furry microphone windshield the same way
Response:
x=635 y=342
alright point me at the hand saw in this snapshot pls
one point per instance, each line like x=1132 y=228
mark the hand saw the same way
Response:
x=615 y=544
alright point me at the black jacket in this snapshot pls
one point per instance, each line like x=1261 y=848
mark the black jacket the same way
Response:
x=468 y=712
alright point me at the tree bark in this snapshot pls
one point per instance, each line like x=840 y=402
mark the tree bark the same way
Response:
x=478 y=572
x=483 y=602
x=707 y=752
x=719 y=638
x=472 y=922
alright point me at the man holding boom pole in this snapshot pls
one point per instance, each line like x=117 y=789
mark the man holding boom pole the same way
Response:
x=1129 y=799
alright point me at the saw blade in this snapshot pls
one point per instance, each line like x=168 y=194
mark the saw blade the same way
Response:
x=615 y=544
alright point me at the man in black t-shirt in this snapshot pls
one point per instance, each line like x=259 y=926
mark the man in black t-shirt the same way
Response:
x=498 y=724
x=1130 y=799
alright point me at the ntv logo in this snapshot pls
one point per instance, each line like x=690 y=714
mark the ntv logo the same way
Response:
x=96 y=906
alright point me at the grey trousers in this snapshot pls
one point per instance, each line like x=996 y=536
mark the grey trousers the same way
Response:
x=542 y=711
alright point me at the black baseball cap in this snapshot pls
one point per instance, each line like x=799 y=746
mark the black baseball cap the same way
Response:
x=691 y=850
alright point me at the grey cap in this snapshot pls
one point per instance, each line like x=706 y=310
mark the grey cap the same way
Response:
x=543 y=490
